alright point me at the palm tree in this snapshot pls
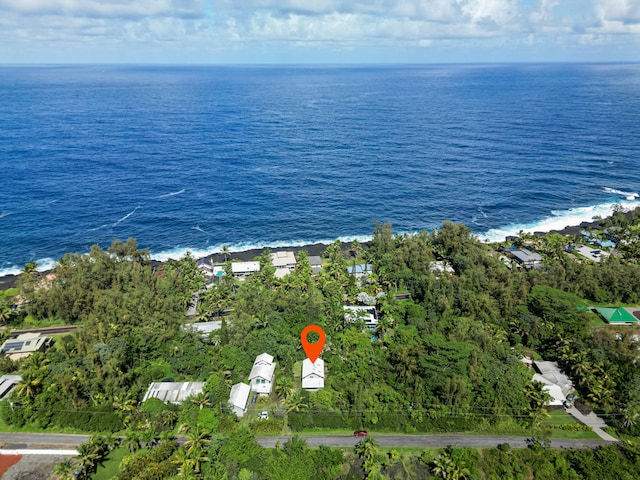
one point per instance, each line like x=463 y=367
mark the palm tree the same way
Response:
x=284 y=388
x=132 y=441
x=295 y=403
x=29 y=386
x=5 y=312
x=88 y=459
x=198 y=439
x=226 y=252
x=65 y=470
x=201 y=399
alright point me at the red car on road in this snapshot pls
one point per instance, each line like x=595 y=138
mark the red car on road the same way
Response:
x=360 y=433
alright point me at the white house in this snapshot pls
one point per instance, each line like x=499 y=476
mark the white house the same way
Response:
x=367 y=314
x=313 y=375
x=173 y=392
x=284 y=260
x=556 y=382
x=239 y=398
x=243 y=269
x=262 y=374
x=24 y=345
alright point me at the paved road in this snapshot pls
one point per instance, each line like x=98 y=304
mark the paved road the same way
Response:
x=21 y=440
x=24 y=440
x=431 y=441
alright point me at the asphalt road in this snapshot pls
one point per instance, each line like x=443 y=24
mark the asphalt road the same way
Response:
x=24 y=440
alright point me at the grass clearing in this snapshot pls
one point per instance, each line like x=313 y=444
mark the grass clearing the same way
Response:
x=109 y=469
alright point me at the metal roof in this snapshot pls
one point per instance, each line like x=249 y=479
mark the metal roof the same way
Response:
x=174 y=392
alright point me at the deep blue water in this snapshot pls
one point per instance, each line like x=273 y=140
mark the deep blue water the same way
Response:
x=197 y=157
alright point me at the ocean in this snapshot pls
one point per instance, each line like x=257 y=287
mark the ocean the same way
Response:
x=197 y=157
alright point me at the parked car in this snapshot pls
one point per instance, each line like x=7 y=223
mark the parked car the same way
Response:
x=568 y=403
x=263 y=415
x=360 y=433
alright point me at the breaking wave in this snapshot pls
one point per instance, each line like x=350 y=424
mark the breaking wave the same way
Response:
x=558 y=220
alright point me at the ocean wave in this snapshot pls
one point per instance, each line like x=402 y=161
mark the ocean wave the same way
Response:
x=125 y=217
x=626 y=195
x=43 y=264
x=558 y=220
x=180 y=252
x=171 y=194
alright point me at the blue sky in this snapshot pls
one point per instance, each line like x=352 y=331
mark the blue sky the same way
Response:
x=317 y=31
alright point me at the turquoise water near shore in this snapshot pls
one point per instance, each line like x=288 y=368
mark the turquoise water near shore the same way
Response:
x=193 y=158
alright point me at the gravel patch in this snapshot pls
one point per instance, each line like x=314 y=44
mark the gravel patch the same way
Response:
x=34 y=467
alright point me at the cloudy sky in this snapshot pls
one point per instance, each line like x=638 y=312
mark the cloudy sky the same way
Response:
x=318 y=31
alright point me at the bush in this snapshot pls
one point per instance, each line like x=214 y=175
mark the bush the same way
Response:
x=90 y=419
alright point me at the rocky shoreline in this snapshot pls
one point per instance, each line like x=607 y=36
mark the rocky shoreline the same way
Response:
x=318 y=249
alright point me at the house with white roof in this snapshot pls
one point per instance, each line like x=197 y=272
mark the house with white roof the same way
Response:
x=556 y=382
x=285 y=260
x=262 y=374
x=244 y=269
x=7 y=384
x=173 y=392
x=239 y=398
x=366 y=314
x=313 y=374
x=24 y=345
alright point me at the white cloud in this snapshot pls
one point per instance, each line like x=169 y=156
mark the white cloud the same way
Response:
x=105 y=8
x=221 y=25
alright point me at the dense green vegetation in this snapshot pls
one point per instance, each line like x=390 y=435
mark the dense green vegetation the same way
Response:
x=445 y=359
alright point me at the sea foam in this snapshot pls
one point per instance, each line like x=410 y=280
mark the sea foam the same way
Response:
x=558 y=220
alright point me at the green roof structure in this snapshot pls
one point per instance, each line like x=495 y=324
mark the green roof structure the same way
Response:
x=616 y=315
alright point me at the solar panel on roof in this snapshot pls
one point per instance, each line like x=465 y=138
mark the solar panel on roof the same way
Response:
x=12 y=346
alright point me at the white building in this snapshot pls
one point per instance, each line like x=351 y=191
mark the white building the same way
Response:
x=173 y=392
x=313 y=375
x=239 y=398
x=262 y=374
x=366 y=314
x=7 y=384
x=284 y=260
x=556 y=382
x=24 y=345
x=243 y=269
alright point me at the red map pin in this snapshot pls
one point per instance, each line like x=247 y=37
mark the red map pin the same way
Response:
x=313 y=350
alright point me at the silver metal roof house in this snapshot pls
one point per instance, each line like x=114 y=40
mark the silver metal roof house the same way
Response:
x=262 y=374
x=526 y=257
x=173 y=392
x=7 y=384
x=239 y=398
x=316 y=263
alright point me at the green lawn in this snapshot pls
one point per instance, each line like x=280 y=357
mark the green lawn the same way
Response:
x=111 y=465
